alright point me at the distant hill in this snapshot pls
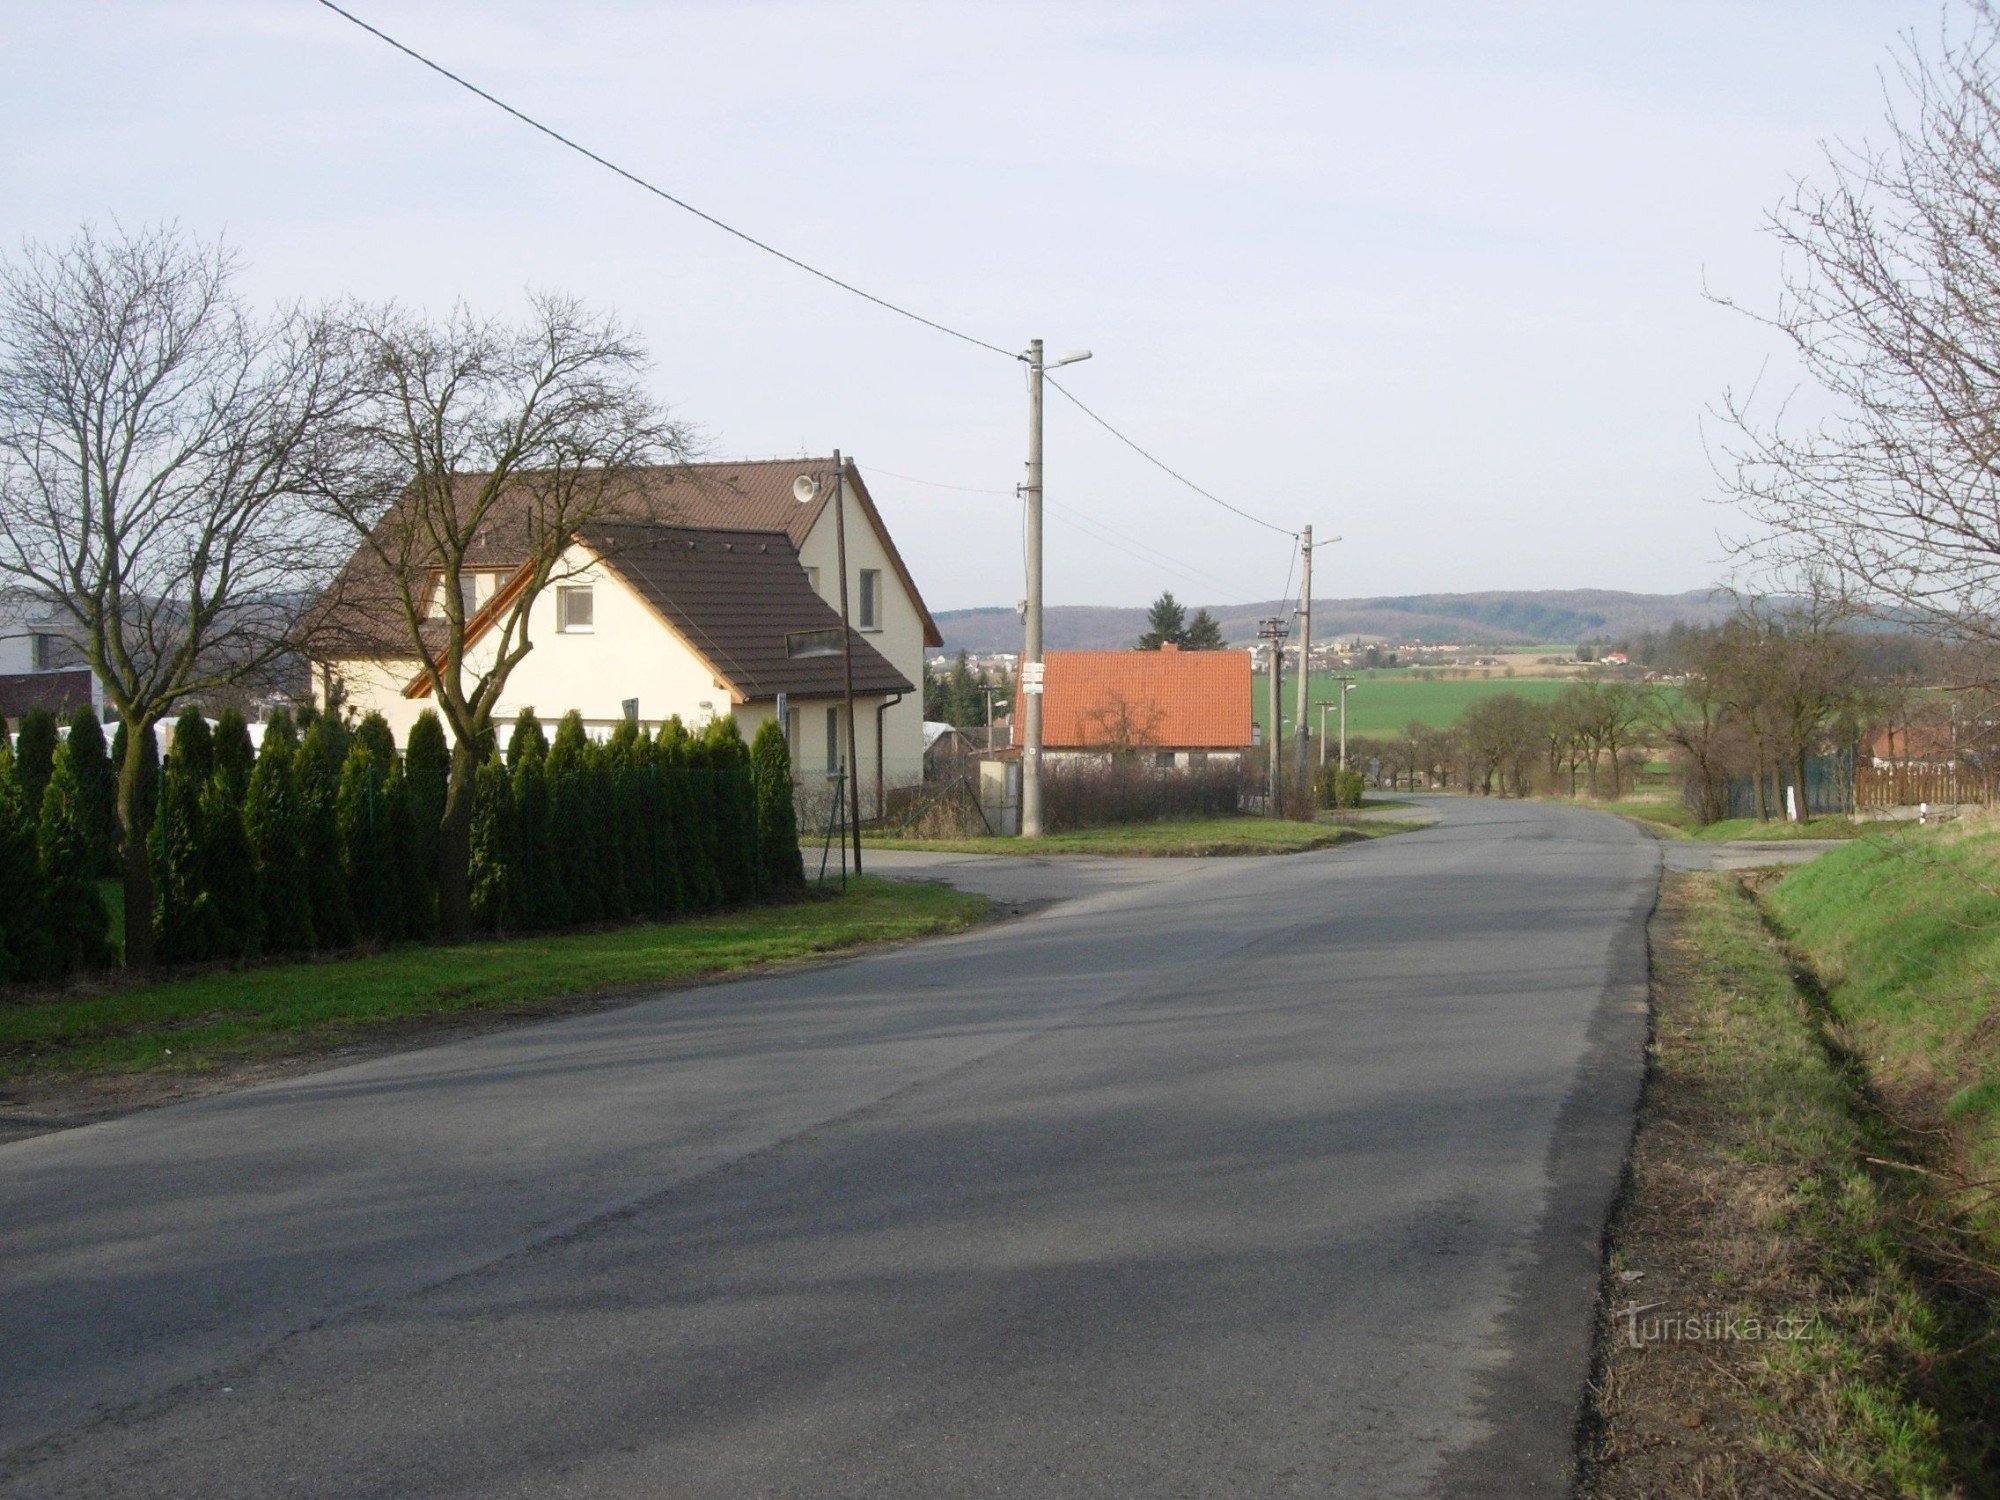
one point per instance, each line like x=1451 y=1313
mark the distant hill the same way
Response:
x=1521 y=617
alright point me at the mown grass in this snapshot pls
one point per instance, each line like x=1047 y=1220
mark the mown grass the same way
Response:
x=192 y=1023
x=1756 y=1193
x=1672 y=818
x=1903 y=927
x=1170 y=838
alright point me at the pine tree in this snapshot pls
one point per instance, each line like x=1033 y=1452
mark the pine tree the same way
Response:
x=495 y=848
x=362 y=850
x=964 y=700
x=274 y=821
x=25 y=954
x=735 y=811
x=527 y=739
x=235 y=756
x=193 y=749
x=692 y=813
x=229 y=872
x=777 y=813
x=374 y=733
x=317 y=778
x=1203 y=633
x=408 y=912
x=35 y=758
x=575 y=816
x=100 y=788
x=183 y=931
x=78 y=926
x=427 y=764
x=1166 y=624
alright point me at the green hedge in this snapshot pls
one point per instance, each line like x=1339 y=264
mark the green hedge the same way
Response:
x=318 y=841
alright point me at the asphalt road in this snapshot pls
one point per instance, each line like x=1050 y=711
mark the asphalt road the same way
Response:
x=1234 y=1177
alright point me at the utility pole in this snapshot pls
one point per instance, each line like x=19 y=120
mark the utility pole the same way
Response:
x=1305 y=647
x=1273 y=630
x=1346 y=687
x=1028 y=711
x=853 y=788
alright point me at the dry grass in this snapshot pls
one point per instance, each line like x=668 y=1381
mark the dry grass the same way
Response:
x=1755 y=1194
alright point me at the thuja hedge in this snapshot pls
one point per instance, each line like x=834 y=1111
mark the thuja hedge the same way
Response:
x=324 y=839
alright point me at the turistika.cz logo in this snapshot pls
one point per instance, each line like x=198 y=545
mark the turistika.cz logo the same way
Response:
x=1710 y=1328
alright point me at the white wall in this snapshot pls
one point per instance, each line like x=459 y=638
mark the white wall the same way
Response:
x=900 y=638
x=631 y=653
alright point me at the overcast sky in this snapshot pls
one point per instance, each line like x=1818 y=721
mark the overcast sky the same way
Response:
x=1427 y=276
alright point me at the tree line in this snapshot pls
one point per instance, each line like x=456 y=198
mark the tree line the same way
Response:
x=324 y=836
x=1758 y=697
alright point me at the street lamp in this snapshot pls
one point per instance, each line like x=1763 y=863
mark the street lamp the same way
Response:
x=1347 y=685
x=1029 y=711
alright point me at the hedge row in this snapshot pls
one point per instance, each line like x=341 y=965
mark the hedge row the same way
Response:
x=317 y=842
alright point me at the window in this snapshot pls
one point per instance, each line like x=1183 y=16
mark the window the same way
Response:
x=792 y=733
x=812 y=577
x=833 y=742
x=44 y=652
x=871 y=599
x=1164 y=759
x=574 y=611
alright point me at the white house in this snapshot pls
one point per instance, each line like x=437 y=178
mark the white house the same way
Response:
x=721 y=595
x=40 y=663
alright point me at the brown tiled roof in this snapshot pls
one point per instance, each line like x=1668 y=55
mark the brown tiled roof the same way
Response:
x=747 y=494
x=59 y=692
x=1189 y=700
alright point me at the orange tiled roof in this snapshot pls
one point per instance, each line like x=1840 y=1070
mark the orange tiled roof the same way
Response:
x=1191 y=700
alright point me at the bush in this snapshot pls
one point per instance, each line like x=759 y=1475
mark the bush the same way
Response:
x=193 y=748
x=68 y=855
x=317 y=776
x=229 y=870
x=574 y=816
x=182 y=928
x=1094 y=794
x=25 y=953
x=235 y=757
x=35 y=758
x=427 y=764
x=149 y=782
x=738 y=861
x=777 y=814
x=99 y=788
x=495 y=847
x=1335 y=788
x=275 y=823
x=364 y=854
x=691 y=811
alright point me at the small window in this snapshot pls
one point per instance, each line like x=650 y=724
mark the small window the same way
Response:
x=1164 y=759
x=574 y=611
x=833 y=742
x=468 y=594
x=871 y=599
x=44 y=652
x=812 y=578
x=792 y=733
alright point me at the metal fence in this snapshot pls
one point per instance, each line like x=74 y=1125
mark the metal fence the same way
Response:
x=1829 y=789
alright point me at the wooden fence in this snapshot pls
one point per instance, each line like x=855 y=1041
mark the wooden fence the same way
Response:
x=1906 y=786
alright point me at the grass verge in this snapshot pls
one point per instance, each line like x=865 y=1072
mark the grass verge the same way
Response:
x=1784 y=1311
x=1182 y=837
x=202 y=1021
x=1671 y=819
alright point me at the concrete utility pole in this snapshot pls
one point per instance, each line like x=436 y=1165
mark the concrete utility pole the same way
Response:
x=1028 y=711
x=853 y=788
x=1305 y=647
x=1273 y=630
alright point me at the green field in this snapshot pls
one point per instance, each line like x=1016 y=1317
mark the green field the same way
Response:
x=1383 y=703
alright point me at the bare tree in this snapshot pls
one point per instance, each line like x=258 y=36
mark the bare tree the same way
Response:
x=1885 y=476
x=1117 y=724
x=156 y=447
x=474 y=442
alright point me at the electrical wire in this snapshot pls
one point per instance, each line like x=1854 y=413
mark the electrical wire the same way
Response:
x=1161 y=464
x=1090 y=526
x=659 y=192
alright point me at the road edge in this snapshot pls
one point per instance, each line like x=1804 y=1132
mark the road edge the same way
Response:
x=1533 y=1403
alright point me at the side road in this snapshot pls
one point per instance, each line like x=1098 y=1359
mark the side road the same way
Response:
x=1248 y=1177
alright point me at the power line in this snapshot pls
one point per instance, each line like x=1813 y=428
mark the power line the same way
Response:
x=1103 y=531
x=660 y=192
x=1160 y=464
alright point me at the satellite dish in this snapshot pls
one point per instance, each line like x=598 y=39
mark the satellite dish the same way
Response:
x=804 y=489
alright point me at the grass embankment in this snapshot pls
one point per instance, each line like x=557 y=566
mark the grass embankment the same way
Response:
x=1672 y=819
x=1174 y=837
x=1904 y=930
x=192 y=1023
x=1780 y=1310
